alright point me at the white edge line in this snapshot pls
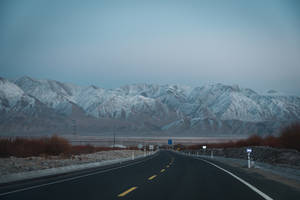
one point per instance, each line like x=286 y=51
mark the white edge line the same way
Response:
x=73 y=178
x=241 y=180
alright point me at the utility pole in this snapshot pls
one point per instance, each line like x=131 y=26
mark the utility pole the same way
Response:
x=114 y=138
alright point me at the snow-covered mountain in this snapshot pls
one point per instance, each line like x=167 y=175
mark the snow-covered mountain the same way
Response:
x=214 y=108
x=21 y=112
x=14 y=99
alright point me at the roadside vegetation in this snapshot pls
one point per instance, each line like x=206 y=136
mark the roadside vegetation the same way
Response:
x=289 y=138
x=46 y=146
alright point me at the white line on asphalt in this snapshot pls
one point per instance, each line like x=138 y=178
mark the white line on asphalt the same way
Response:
x=241 y=180
x=73 y=178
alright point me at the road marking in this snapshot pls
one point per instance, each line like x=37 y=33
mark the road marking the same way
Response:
x=127 y=191
x=74 y=178
x=167 y=166
x=162 y=170
x=241 y=180
x=152 y=177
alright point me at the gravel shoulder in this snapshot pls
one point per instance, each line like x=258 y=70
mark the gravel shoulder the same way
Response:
x=282 y=165
x=14 y=169
x=285 y=175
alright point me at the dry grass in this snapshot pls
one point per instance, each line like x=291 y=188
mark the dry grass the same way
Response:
x=289 y=138
x=46 y=146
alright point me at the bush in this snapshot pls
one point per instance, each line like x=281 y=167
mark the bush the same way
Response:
x=55 y=145
x=271 y=141
x=290 y=137
x=24 y=147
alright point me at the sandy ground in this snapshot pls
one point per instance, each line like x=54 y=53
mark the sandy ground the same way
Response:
x=16 y=165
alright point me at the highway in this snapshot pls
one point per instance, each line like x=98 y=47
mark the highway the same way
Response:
x=165 y=175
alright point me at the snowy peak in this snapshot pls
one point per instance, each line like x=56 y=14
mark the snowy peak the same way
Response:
x=225 y=102
x=10 y=94
x=9 y=90
x=165 y=106
x=14 y=100
x=52 y=93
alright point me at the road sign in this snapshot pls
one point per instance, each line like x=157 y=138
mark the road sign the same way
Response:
x=249 y=150
x=170 y=142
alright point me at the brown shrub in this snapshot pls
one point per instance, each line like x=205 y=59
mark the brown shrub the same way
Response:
x=55 y=145
x=253 y=140
x=82 y=149
x=24 y=147
x=290 y=137
x=271 y=141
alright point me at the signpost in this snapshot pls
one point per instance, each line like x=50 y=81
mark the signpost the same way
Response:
x=249 y=150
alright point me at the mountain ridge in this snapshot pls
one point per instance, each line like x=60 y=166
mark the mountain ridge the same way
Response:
x=148 y=107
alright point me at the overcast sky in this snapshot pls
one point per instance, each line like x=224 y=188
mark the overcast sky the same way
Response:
x=255 y=43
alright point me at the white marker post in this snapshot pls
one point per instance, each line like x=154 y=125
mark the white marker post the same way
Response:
x=249 y=150
x=132 y=156
x=151 y=148
x=204 y=148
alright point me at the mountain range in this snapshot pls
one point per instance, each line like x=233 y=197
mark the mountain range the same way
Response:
x=32 y=106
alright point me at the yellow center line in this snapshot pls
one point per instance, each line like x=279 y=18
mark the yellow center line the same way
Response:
x=127 y=191
x=152 y=177
x=162 y=170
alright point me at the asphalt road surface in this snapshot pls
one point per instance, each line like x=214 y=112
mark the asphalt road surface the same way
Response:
x=165 y=175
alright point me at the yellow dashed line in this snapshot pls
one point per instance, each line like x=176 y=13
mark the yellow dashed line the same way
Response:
x=127 y=191
x=162 y=170
x=152 y=177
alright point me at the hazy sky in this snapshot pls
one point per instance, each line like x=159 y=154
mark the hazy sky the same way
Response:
x=253 y=43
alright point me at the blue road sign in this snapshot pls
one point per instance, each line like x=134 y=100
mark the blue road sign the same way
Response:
x=170 y=142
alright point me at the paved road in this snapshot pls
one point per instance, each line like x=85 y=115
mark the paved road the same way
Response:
x=166 y=175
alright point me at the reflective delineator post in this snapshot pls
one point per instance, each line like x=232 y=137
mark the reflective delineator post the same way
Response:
x=204 y=148
x=249 y=160
x=132 y=156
